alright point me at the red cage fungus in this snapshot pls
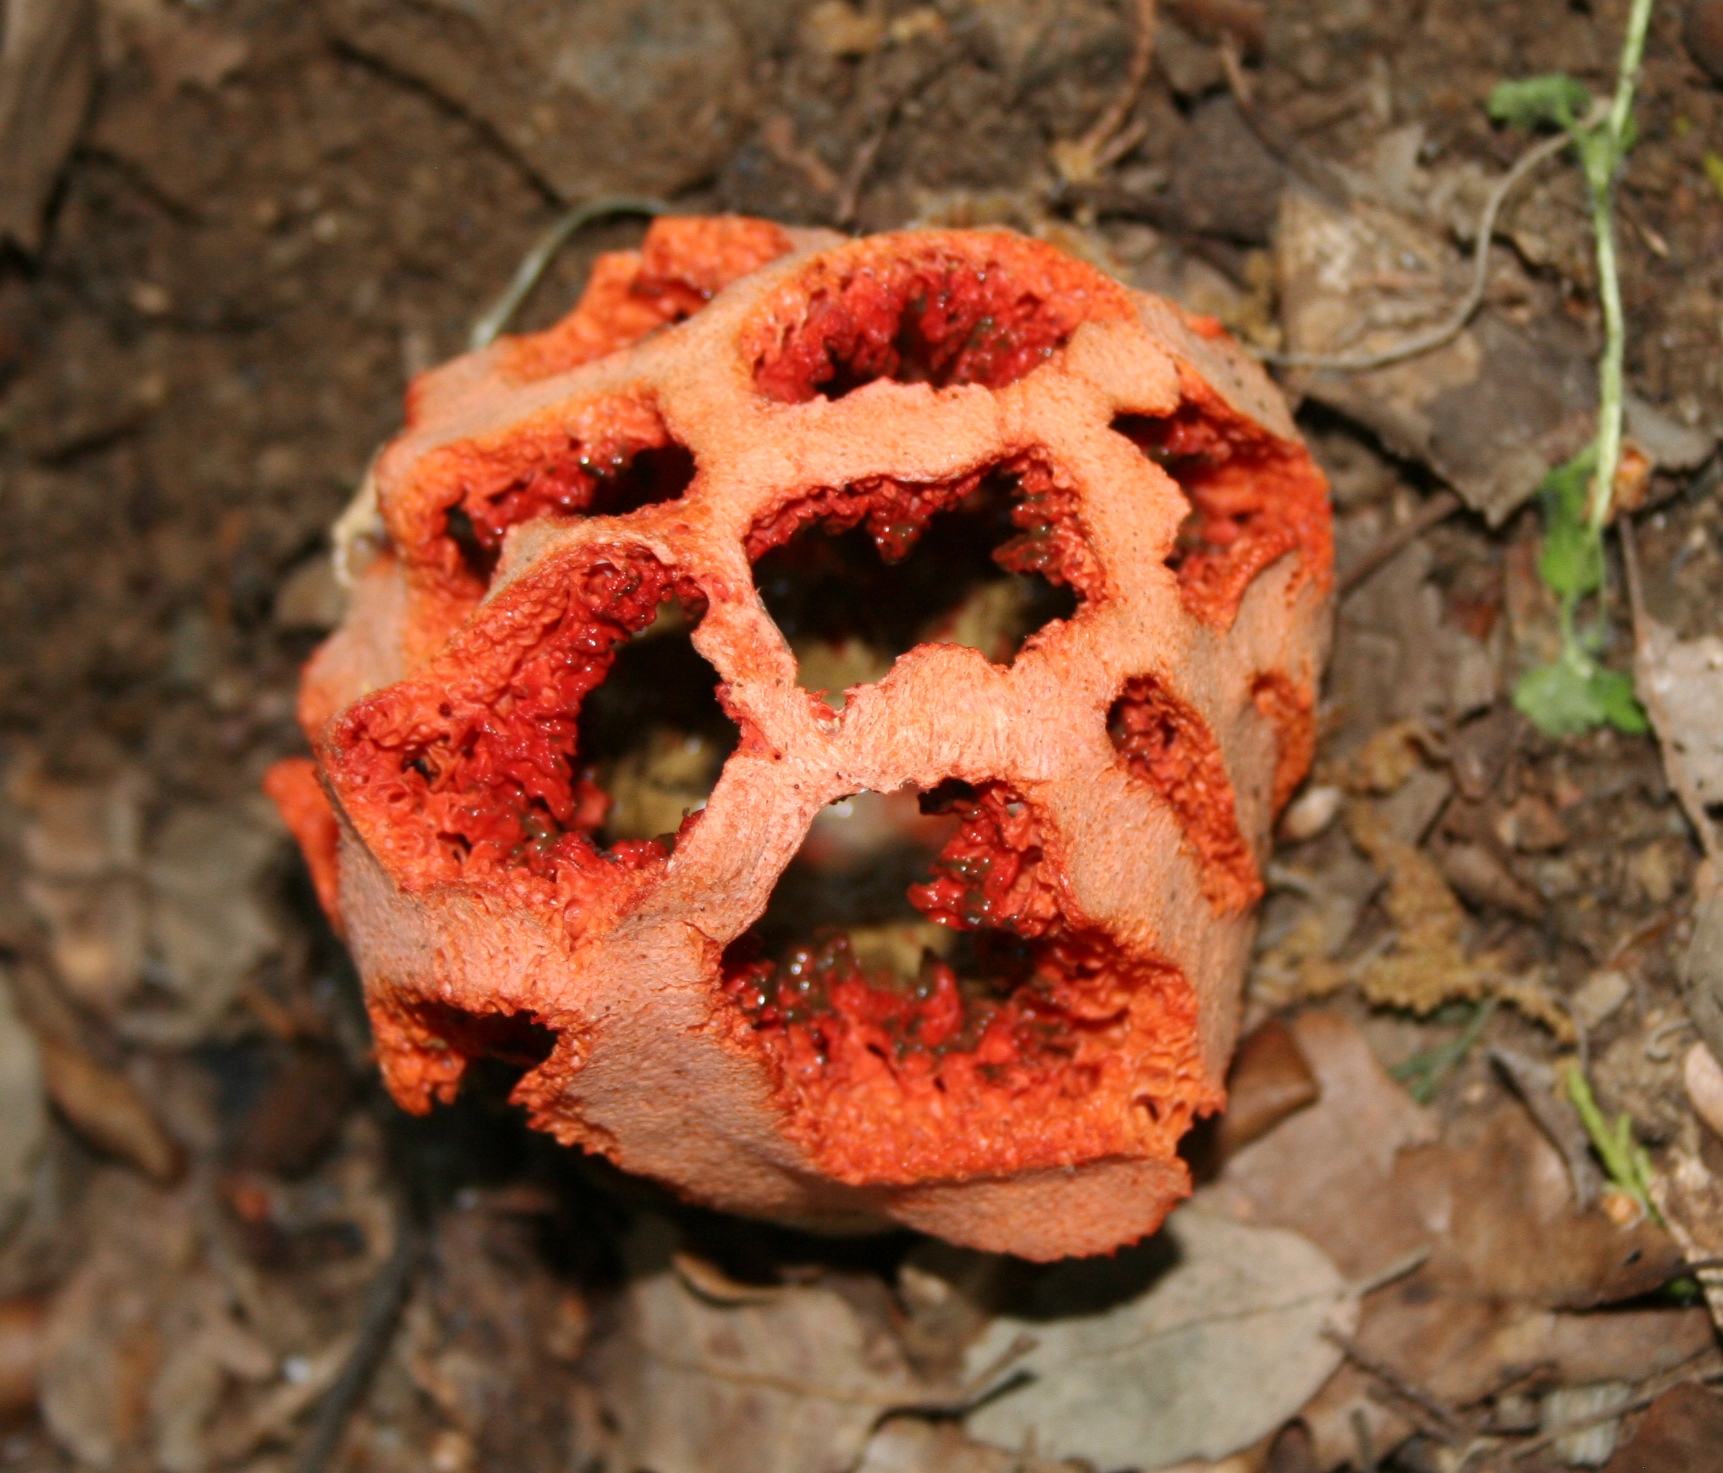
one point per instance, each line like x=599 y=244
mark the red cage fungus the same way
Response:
x=819 y=711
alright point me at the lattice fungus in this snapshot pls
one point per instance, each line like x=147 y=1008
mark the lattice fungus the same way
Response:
x=819 y=710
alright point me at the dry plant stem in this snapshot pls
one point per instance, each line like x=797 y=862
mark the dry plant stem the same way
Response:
x=1454 y=324
x=1093 y=145
x=1433 y=512
x=497 y=316
x=1442 y=1420
x=384 y=1301
x=1644 y=1398
x=1313 y=170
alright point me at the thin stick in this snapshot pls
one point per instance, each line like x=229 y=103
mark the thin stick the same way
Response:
x=1437 y=509
x=1092 y=146
x=1596 y=1419
x=1442 y=1416
x=496 y=317
x=1454 y=324
x=384 y=1301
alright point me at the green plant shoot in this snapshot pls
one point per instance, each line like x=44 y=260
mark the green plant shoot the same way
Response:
x=1623 y=1158
x=1575 y=692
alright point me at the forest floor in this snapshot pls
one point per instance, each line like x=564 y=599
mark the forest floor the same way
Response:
x=275 y=214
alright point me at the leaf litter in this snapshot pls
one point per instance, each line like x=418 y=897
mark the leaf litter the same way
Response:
x=1459 y=890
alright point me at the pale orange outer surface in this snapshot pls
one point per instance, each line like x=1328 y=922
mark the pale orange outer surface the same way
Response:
x=1125 y=767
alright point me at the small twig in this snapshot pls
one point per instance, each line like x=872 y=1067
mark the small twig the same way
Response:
x=384 y=1300
x=1442 y=1416
x=1407 y=1263
x=1597 y=1419
x=1437 y=509
x=1314 y=171
x=496 y=317
x=1080 y=160
x=1454 y=324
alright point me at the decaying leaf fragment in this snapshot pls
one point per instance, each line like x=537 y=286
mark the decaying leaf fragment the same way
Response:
x=1221 y=1346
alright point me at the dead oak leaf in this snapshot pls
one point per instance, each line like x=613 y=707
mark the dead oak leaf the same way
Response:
x=1224 y=1342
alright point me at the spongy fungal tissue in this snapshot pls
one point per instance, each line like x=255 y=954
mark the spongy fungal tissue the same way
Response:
x=818 y=711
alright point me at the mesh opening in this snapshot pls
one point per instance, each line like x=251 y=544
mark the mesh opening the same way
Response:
x=931 y=316
x=871 y=573
x=584 y=482
x=866 y=927
x=517 y=1040
x=1252 y=500
x=1167 y=745
x=571 y=750
x=653 y=735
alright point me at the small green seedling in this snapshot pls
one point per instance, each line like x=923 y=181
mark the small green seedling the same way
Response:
x=1622 y=1157
x=1574 y=692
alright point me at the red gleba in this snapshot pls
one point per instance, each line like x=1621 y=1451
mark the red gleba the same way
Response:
x=960 y=947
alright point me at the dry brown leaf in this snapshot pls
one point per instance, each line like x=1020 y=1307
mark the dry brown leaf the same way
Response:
x=1489 y=412
x=1681 y=1432
x=106 y=1109
x=778 y=1386
x=1326 y=1172
x=23 y=1111
x=1225 y=1341
x=47 y=69
x=1498 y=1202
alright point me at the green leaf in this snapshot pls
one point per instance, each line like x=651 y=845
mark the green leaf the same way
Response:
x=1620 y=706
x=1557 y=699
x=1566 y=697
x=1572 y=561
x=1553 y=98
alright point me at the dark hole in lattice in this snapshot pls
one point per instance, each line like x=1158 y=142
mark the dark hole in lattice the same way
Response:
x=517 y=1040
x=848 y=613
x=580 y=487
x=654 y=735
x=843 y=904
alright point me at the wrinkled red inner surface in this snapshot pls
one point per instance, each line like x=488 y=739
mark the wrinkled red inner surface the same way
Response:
x=468 y=770
x=1065 y=1050
x=1165 y=743
x=1253 y=500
x=927 y=312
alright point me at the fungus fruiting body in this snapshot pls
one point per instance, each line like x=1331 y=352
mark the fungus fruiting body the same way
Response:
x=819 y=710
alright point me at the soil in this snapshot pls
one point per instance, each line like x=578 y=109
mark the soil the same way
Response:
x=256 y=243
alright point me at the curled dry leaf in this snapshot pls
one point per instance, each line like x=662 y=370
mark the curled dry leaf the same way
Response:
x=769 y=1386
x=1224 y=1342
x=23 y=1108
x=47 y=70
